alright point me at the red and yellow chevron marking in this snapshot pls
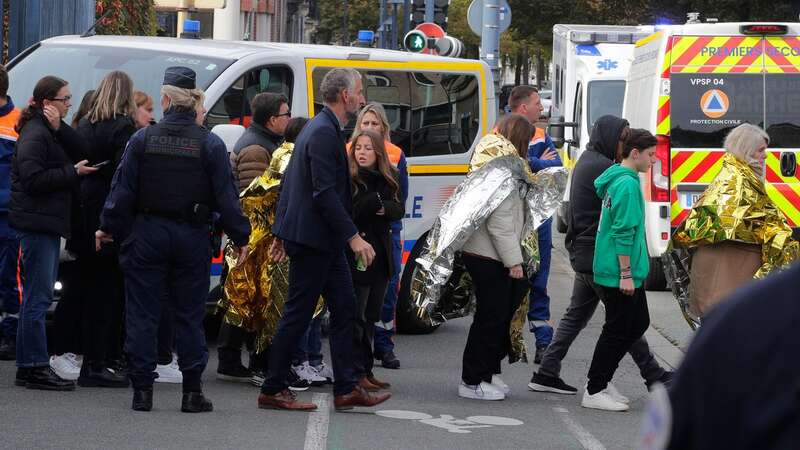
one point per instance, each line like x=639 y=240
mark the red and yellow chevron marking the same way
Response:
x=782 y=54
x=720 y=54
x=784 y=191
x=698 y=167
x=667 y=58
x=662 y=115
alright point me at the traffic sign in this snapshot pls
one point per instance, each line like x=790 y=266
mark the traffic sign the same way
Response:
x=415 y=41
x=475 y=16
x=432 y=31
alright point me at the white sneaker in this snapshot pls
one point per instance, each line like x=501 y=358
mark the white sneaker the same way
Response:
x=67 y=366
x=169 y=373
x=602 y=400
x=616 y=395
x=500 y=384
x=483 y=391
x=306 y=372
x=324 y=371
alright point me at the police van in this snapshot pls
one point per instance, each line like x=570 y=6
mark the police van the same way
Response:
x=437 y=107
x=690 y=85
x=590 y=64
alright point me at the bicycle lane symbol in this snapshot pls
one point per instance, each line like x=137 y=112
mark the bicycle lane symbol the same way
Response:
x=450 y=423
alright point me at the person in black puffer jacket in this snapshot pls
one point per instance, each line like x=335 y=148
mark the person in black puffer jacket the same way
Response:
x=47 y=164
x=376 y=204
x=107 y=128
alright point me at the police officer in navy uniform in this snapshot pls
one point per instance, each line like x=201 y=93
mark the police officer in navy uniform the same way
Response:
x=173 y=177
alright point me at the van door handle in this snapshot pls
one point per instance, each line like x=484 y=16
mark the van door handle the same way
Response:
x=788 y=164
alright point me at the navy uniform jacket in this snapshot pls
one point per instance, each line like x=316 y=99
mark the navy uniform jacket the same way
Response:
x=315 y=207
x=120 y=207
x=739 y=384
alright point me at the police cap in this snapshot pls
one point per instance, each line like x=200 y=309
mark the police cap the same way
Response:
x=182 y=77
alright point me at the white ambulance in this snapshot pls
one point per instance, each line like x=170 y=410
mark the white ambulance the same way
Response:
x=690 y=85
x=590 y=64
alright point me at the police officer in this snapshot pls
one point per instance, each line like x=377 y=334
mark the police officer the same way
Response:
x=173 y=176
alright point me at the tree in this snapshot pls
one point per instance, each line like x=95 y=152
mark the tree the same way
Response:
x=361 y=15
x=128 y=17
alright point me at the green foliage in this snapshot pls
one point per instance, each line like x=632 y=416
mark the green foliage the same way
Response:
x=128 y=17
x=362 y=15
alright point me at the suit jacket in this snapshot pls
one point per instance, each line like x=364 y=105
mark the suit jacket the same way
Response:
x=315 y=205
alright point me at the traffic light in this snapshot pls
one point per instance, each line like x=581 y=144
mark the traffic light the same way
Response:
x=440 y=13
x=417 y=13
x=415 y=41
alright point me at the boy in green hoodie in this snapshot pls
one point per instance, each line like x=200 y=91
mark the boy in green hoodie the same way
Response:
x=620 y=265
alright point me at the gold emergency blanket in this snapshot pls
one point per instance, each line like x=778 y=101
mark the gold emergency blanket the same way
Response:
x=736 y=207
x=496 y=171
x=255 y=292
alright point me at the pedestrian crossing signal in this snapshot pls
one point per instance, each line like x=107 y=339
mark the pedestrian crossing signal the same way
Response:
x=415 y=41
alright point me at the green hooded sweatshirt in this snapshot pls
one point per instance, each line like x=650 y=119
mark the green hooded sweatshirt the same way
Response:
x=621 y=229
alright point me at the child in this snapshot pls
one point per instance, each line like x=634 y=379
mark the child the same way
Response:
x=620 y=265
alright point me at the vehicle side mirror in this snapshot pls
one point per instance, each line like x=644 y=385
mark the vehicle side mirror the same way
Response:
x=556 y=131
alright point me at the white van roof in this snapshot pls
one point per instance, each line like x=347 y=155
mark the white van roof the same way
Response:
x=238 y=49
x=722 y=28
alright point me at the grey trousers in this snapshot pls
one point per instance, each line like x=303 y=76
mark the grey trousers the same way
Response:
x=585 y=297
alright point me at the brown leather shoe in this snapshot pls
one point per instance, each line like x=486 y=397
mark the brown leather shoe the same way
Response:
x=359 y=397
x=377 y=382
x=285 y=399
x=367 y=385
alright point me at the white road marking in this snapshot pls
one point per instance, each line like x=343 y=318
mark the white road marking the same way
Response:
x=317 y=428
x=400 y=414
x=585 y=438
x=494 y=420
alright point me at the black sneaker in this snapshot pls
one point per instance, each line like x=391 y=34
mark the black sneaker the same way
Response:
x=237 y=373
x=544 y=383
x=296 y=383
x=46 y=379
x=390 y=361
x=100 y=376
x=23 y=373
x=540 y=349
x=8 y=350
x=195 y=402
x=665 y=379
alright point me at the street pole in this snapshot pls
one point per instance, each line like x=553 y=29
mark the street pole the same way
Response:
x=490 y=41
x=393 y=44
x=429 y=9
x=345 y=39
x=406 y=16
x=382 y=25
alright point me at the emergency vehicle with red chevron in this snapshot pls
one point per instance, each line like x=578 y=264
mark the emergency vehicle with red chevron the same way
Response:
x=690 y=85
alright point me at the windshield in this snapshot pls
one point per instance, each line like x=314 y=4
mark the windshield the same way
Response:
x=84 y=66
x=604 y=97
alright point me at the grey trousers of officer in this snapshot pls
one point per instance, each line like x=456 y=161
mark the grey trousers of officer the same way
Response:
x=585 y=297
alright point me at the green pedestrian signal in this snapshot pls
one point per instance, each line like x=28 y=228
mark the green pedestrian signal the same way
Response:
x=415 y=41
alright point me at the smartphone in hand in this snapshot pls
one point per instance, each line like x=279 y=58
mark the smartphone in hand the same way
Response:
x=101 y=164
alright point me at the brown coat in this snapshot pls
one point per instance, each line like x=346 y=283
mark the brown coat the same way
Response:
x=718 y=270
x=248 y=164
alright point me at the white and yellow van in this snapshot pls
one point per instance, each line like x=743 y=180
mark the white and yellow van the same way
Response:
x=437 y=107
x=690 y=85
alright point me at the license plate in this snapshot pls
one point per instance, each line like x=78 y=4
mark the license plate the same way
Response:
x=688 y=199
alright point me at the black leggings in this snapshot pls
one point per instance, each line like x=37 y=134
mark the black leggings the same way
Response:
x=369 y=300
x=497 y=298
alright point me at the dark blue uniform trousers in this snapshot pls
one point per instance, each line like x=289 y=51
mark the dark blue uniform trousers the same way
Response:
x=311 y=273
x=539 y=306
x=164 y=259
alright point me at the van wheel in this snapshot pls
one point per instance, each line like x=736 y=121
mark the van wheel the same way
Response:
x=406 y=313
x=561 y=224
x=656 y=280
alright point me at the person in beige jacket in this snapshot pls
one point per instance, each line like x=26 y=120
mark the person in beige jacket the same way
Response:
x=493 y=258
x=253 y=151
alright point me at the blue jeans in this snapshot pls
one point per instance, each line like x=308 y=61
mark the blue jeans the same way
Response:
x=539 y=301
x=384 y=330
x=9 y=294
x=40 y=270
x=310 y=346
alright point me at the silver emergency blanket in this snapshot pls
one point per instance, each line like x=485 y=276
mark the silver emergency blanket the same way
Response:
x=473 y=201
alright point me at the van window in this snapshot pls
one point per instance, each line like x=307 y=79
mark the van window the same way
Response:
x=604 y=97
x=704 y=108
x=234 y=105
x=84 y=66
x=782 y=120
x=429 y=113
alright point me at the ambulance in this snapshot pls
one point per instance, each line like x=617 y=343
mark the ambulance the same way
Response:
x=590 y=64
x=690 y=85
x=438 y=107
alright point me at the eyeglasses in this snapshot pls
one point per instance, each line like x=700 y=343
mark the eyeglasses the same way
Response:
x=287 y=114
x=64 y=99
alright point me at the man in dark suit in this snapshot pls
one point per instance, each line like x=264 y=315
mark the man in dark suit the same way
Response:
x=313 y=226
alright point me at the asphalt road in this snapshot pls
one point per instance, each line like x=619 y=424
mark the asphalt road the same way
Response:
x=424 y=412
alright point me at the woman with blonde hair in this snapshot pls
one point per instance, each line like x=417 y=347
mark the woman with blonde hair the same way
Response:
x=734 y=232
x=373 y=117
x=106 y=129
